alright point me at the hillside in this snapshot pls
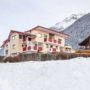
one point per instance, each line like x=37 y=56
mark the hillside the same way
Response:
x=60 y=26
x=78 y=31
x=51 y=75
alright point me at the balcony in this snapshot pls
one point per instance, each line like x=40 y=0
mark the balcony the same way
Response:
x=52 y=41
x=40 y=49
x=54 y=50
x=25 y=39
x=29 y=48
x=85 y=47
x=33 y=48
x=24 y=49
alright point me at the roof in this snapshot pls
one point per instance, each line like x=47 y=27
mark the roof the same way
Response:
x=13 y=31
x=48 y=30
x=4 y=42
x=86 y=41
x=25 y=33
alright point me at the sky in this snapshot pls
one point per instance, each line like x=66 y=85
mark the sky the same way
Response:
x=23 y=15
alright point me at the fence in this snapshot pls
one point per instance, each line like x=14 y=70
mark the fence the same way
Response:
x=44 y=57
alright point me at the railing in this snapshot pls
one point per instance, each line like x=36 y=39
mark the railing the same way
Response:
x=85 y=48
x=25 y=39
x=52 y=41
x=32 y=48
x=54 y=50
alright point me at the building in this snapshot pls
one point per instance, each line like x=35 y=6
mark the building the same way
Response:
x=38 y=39
x=85 y=44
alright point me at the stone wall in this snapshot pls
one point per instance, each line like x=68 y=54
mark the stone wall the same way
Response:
x=54 y=56
x=43 y=57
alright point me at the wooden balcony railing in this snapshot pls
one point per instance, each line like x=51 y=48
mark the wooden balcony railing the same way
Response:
x=52 y=41
x=33 y=48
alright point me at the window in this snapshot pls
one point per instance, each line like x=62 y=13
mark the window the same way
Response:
x=6 y=52
x=39 y=35
x=22 y=46
x=47 y=45
x=45 y=36
x=14 y=46
x=59 y=39
x=25 y=45
x=7 y=45
x=14 y=37
x=56 y=47
x=51 y=46
x=20 y=36
x=35 y=45
x=24 y=36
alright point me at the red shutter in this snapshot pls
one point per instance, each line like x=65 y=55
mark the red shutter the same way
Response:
x=40 y=48
x=35 y=48
x=24 y=49
x=55 y=41
x=29 y=48
x=24 y=39
x=54 y=49
x=50 y=40
x=45 y=39
x=59 y=42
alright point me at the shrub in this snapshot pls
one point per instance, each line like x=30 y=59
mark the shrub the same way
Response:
x=12 y=59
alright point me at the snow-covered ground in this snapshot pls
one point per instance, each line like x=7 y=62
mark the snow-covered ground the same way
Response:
x=50 y=75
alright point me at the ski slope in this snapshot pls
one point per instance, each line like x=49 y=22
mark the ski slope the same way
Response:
x=50 y=75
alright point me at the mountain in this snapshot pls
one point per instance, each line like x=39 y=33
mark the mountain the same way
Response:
x=78 y=31
x=60 y=26
x=1 y=52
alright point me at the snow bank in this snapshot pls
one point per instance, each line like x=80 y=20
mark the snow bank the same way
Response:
x=50 y=75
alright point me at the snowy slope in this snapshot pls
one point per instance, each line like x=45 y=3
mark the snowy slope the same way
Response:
x=60 y=26
x=78 y=31
x=50 y=75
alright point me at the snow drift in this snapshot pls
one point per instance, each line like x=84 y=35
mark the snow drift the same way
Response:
x=50 y=75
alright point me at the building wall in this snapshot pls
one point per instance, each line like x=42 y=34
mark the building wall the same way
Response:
x=36 y=32
x=41 y=39
x=7 y=47
x=18 y=42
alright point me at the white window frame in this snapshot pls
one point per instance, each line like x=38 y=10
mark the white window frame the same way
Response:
x=14 y=46
x=39 y=35
x=14 y=37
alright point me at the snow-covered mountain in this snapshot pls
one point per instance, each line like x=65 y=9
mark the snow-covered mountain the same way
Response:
x=60 y=26
x=78 y=31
